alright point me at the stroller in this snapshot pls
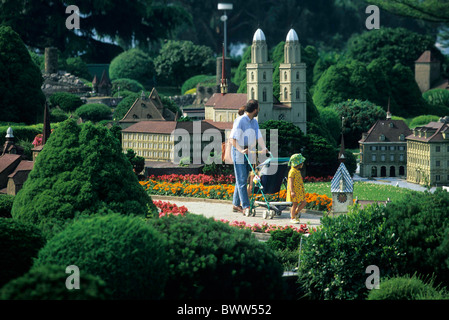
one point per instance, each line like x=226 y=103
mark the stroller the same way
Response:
x=267 y=185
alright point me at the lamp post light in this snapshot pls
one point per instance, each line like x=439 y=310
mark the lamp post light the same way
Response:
x=224 y=18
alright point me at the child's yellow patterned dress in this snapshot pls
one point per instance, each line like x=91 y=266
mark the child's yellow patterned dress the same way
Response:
x=298 y=186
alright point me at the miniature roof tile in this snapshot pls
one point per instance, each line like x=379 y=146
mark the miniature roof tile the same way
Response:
x=227 y=101
x=436 y=128
x=342 y=174
x=391 y=133
x=427 y=57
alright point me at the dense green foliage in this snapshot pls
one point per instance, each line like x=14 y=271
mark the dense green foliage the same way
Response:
x=136 y=161
x=422 y=120
x=58 y=115
x=397 y=45
x=126 y=84
x=407 y=288
x=122 y=108
x=193 y=82
x=6 y=201
x=48 y=283
x=21 y=96
x=20 y=243
x=359 y=116
x=422 y=223
x=180 y=60
x=81 y=171
x=123 y=251
x=132 y=64
x=335 y=257
x=77 y=67
x=94 y=112
x=438 y=99
x=68 y=102
x=209 y=259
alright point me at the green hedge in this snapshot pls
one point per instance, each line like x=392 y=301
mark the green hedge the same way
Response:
x=407 y=288
x=48 y=283
x=421 y=221
x=6 y=201
x=193 y=82
x=122 y=250
x=20 y=243
x=66 y=101
x=209 y=259
x=335 y=257
x=94 y=112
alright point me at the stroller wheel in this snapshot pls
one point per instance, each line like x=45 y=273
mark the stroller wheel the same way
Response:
x=272 y=213
x=265 y=214
x=253 y=212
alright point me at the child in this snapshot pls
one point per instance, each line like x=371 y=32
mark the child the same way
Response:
x=295 y=187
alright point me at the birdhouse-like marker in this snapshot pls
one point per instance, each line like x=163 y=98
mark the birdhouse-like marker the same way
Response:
x=342 y=188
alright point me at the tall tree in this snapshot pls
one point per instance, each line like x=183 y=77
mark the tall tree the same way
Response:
x=43 y=23
x=21 y=97
x=428 y=10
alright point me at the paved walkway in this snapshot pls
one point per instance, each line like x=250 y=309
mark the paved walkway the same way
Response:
x=221 y=209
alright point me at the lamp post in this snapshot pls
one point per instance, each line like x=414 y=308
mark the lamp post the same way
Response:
x=224 y=18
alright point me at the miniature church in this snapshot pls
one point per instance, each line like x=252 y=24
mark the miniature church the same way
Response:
x=342 y=185
x=290 y=107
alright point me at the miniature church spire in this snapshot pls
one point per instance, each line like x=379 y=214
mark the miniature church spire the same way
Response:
x=341 y=154
x=388 y=111
x=47 y=130
x=224 y=83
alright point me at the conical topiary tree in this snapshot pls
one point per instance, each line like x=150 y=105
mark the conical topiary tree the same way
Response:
x=80 y=171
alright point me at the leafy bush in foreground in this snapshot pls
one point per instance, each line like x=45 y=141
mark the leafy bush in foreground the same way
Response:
x=209 y=259
x=127 y=254
x=19 y=243
x=48 y=283
x=335 y=257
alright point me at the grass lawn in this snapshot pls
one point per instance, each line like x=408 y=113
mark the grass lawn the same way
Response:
x=362 y=190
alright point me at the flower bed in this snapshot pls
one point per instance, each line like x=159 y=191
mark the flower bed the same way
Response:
x=167 y=208
x=195 y=178
x=265 y=227
x=225 y=192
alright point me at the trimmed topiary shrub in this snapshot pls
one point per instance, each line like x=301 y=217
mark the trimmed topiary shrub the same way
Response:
x=94 y=112
x=20 y=243
x=126 y=84
x=48 y=283
x=421 y=222
x=6 y=202
x=407 y=288
x=133 y=64
x=68 y=102
x=122 y=250
x=81 y=171
x=335 y=257
x=209 y=259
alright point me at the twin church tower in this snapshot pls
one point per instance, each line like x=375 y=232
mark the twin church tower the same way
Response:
x=292 y=104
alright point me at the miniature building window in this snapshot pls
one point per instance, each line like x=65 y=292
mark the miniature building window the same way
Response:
x=143 y=105
x=264 y=76
x=252 y=93
x=264 y=95
x=373 y=158
x=285 y=76
x=401 y=157
x=437 y=148
x=382 y=137
x=297 y=75
x=252 y=76
x=392 y=148
x=391 y=157
x=285 y=93
x=402 y=137
x=135 y=116
x=297 y=93
x=437 y=177
x=382 y=157
x=149 y=116
x=437 y=163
